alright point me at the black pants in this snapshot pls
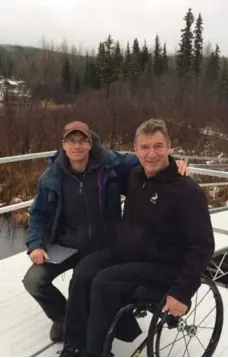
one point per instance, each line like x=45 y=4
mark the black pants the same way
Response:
x=100 y=287
x=38 y=282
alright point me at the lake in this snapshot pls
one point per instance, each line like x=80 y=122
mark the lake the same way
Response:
x=12 y=237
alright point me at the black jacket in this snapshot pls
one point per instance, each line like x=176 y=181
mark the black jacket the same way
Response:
x=167 y=223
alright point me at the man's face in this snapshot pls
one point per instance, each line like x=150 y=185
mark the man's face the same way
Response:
x=77 y=146
x=152 y=151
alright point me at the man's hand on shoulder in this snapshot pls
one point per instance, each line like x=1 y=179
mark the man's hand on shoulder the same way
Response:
x=174 y=307
x=38 y=256
x=182 y=167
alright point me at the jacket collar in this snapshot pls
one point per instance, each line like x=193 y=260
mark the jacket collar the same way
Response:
x=99 y=156
x=168 y=174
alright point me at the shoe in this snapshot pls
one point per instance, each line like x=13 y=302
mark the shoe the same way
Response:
x=56 y=332
x=67 y=351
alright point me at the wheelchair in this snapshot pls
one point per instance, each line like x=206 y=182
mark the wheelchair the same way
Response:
x=197 y=333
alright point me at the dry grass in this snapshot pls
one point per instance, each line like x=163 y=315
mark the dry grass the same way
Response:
x=19 y=180
x=35 y=128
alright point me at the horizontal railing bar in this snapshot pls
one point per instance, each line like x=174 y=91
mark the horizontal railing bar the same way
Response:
x=210 y=166
x=26 y=204
x=14 y=207
x=20 y=158
x=193 y=169
x=30 y=156
x=218 y=210
x=213 y=184
x=220 y=231
x=211 y=172
x=198 y=157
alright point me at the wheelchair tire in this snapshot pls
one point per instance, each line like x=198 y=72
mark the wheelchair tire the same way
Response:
x=158 y=325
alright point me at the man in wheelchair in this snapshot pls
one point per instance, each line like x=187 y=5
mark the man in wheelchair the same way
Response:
x=164 y=242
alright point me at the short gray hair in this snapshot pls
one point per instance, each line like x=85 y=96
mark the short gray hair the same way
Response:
x=152 y=126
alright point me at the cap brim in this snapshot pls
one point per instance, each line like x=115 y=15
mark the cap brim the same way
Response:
x=77 y=130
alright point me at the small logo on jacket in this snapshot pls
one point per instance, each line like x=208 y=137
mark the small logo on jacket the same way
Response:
x=154 y=198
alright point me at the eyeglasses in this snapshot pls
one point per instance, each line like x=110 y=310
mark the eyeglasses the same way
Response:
x=72 y=141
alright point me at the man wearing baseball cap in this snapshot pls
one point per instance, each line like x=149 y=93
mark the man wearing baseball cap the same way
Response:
x=78 y=205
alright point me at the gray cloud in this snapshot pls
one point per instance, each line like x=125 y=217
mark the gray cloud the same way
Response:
x=86 y=22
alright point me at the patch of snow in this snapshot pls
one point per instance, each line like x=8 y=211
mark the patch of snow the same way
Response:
x=213 y=191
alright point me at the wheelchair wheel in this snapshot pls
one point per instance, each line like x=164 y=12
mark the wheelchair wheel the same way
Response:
x=195 y=334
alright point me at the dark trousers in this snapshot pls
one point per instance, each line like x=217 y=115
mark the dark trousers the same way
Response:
x=38 y=282
x=100 y=287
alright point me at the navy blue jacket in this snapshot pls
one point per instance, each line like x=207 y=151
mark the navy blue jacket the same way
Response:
x=45 y=212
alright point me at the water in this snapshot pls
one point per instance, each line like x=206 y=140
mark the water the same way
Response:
x=12 y=238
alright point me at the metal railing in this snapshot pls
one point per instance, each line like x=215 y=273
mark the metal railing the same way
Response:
x=21 y=158
x=194 y=168
x=15 y=207
x=210 y=172
x=31 y=156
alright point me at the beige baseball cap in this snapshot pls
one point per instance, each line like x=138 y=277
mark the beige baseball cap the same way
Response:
x=77 y=126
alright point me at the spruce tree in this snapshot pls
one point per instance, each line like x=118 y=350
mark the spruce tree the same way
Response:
x=94 y=75
x=118 y=62
x=144 y=56
x=157 y=57
x=91 y=75
x=223 y=87
x=165 y=63
x=66 y=75
x=198 y=45
x=105 y=63
x=6 y=63
x=127 y=60
x=136 y=48
x=185 y=53
x=100 y=60
x=213 y=65
x=136 y=58
x=87 y=79
x=77 y=83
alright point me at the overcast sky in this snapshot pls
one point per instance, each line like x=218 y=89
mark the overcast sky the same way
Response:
x=86 y=22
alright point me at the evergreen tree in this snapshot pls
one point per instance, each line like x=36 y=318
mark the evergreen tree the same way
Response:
x=76 y=82
x=144 y=56
x=87 y=78
x=185 y=52
x=136 y=48
x=165 y=63
x=198 y=45
x=100 y=62
x=94 y=76
x=213 y=65
x=127 y=60
x=6 y=63
x=105 y=63
x=136 y=58
x=91 y=75
x=157 y=57
x=223 y=87
x=66 y=75
x=118 y=62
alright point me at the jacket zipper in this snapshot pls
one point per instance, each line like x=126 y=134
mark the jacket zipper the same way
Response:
x=52 y=227
x=81 y=187
x=88 y=218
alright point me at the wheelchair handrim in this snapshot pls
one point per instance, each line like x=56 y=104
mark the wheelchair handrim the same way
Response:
x=154 y=336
